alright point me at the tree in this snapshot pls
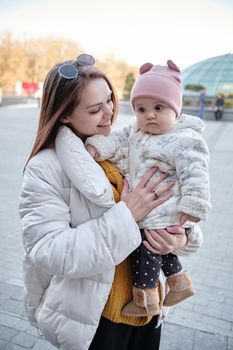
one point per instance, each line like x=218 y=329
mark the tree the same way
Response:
x=116 y=70
x=30 y=60
x=13 y=61
x=43 y=53
x=129 y=81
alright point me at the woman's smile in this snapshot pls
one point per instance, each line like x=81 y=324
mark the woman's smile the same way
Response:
x=105 y=125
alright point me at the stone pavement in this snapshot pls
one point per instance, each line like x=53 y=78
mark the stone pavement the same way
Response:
x=203 y=322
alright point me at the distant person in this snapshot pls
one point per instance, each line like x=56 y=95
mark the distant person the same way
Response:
x=38 y=96
x=202 y=103
x=160 y=136
x=219 y=107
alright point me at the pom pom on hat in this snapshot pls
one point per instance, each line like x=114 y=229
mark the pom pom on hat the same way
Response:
x=160 y=82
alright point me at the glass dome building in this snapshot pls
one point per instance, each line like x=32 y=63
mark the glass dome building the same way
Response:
x=215 y=74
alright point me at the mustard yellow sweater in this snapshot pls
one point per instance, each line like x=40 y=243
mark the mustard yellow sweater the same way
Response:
x=121 y=291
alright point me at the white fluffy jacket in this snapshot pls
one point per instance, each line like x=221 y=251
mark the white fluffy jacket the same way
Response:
x=74 y=235
x=182 y=153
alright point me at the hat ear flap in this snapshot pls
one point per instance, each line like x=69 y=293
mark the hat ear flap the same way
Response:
x=145 y=68
x=172 y=65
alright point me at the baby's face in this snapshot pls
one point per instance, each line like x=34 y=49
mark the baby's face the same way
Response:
x=153 y=116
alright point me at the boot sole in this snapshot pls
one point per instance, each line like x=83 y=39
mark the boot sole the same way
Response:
x=180 y=300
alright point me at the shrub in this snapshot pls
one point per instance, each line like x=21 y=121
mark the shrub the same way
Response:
x=209 y=103
x=228 y=103
x=187 y=102
x=194 y=87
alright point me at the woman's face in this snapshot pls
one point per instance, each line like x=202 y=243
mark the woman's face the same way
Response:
x=94 y=112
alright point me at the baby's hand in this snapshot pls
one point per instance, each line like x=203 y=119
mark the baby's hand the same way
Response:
x=93 y=151
x=186 y=217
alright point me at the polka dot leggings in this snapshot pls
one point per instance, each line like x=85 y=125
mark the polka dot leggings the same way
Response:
x=146 y=266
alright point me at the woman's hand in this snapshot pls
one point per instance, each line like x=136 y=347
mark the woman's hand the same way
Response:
x=164 y=241
x=144 y=198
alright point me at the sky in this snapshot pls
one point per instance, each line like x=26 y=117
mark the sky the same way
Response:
x=136 y=31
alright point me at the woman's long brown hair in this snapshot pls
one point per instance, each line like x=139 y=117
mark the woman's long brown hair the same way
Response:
x=60 y=97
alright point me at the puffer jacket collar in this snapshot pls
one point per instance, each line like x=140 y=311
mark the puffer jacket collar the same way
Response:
x=82 y=170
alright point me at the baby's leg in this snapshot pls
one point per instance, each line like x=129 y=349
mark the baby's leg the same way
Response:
x=171 y=264
x=145 y=275
x=145 y=266
x=178 y=280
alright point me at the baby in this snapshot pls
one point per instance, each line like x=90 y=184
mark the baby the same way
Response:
x=160 y=136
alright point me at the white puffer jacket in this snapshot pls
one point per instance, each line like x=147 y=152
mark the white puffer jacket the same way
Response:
x=74 y=235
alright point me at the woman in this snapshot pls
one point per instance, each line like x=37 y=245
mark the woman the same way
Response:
x=76 y=238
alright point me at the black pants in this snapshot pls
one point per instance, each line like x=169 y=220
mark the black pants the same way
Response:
x=119 y=336
x=146 y=266
x=218 y=114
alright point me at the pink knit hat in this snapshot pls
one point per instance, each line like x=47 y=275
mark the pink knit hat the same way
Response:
x=161 y=82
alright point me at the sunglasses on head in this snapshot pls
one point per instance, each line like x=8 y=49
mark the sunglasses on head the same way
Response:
x=69 y=71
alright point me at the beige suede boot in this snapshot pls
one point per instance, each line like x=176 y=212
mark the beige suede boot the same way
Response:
x=145 y=303
x=180 y=288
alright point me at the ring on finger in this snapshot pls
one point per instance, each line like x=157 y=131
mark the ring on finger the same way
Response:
x=155 y=195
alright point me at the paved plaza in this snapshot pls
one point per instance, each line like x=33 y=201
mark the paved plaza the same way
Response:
x=203 y=322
